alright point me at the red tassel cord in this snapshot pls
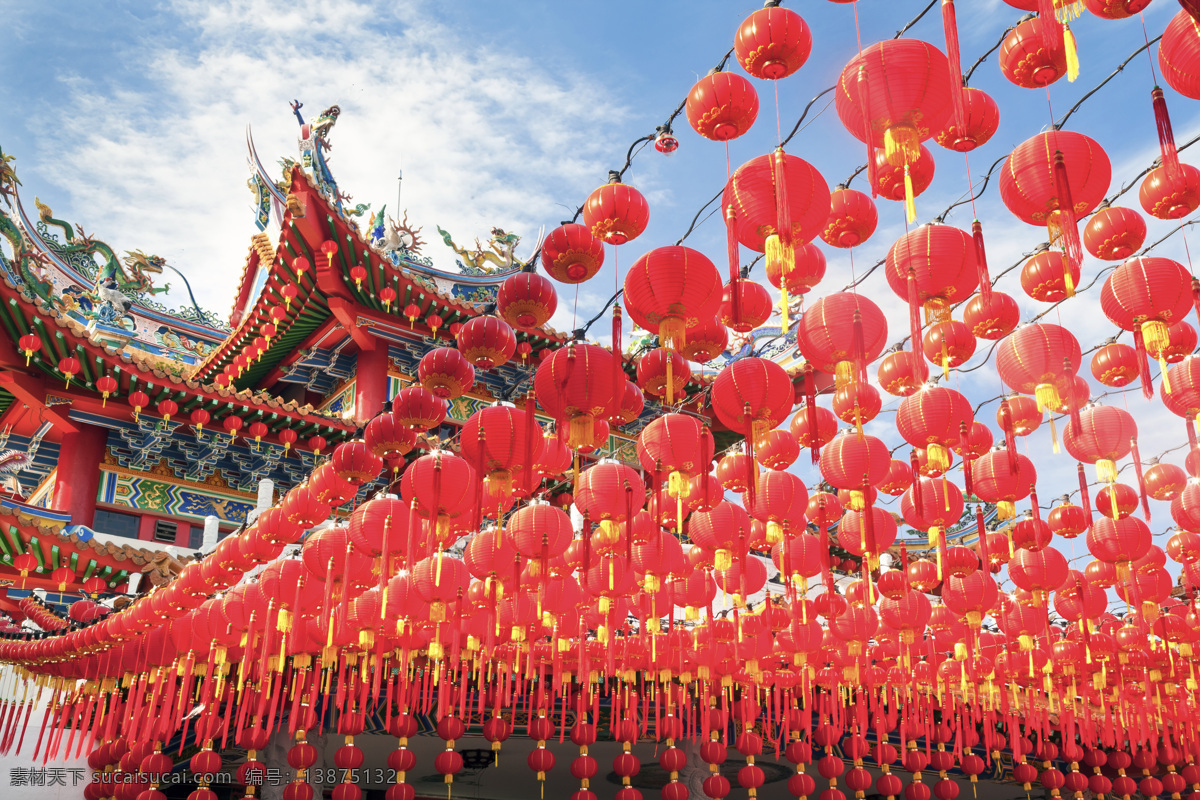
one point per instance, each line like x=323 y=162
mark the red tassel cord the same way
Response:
x=1034 y=504
x=1139 y=346
x=950 y=24
x=810 y=401
x=1068 y=223
x=914 y=311
x=1084 y=498
x=1010 y=438
x=918 y=500
x=984 y=556
x=618 y=367
x=864 y=102
x=981 y=267
x=734 y=255
x=1052 y=31
x=1166 y=137
x=1141 y=479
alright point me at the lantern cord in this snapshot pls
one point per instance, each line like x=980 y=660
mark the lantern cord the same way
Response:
x=1149 y=58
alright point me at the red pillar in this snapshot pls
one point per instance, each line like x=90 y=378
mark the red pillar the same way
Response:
x=370 y=381
x=78 y=478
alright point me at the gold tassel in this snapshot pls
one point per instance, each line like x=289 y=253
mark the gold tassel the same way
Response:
x=1072 y=54
x=783 y=306
x=901 y=145
x=910 y=202
x=670 y=380
x=1068 y=278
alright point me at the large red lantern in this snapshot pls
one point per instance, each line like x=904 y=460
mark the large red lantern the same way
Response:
x=446 y=373
x=571 y=254
x=933 y=266
x=895 y=94
x=526 y=300
x=841 y=333
x=772 y=43
x=1167 y=194
x=752 y=396
x=1053 y=179
x=1039 y=359
x=722 y=106
x=418 y=408
x=992 y=317
x=1115 y=364
x=1027 y=59
x=994 y=480
x=443 y=487
x=1114 y=233
x=499 y=443
x=981 y=118
x=1103 y=436
x=852 y=218
x=488 y=341
x=616 y=213
x=1179 y=55
x=672 y=289
x=706 y=341
x=935 y=418
x=575 y=386
x=1146 y=295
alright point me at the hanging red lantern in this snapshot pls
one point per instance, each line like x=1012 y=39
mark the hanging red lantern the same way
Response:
x=446 y=372
x=487 y=342
x=386 y=435
x=1115 y=364
x=1179 y=55
x=855 y=462
x=1146 y=295
x=1103 y=436
x=106 y=385
x=418 y=408
x=992 y=318
x=1049 y=277
x=571 y=254
x=69 y=367
x=934 y=418
x=257 y=430
x=772 y=43
x=498 y=441
x=1182 y=341
x=933 y=266
x=901 y=373
x=288 y=437
x=30 y=343
x=981 y=118
x=1025 y=58
x=1004 y=479
x=317 y=444
x=359 y=274
x=857 y=403
x=575 y=386
x=354 y=462
x=616 y=213
x=1114 y=233
x=1165 y=481
x=1039 y=360
x=804 y=274
x=1053 y=179
x=526 y=300
x=1171 y=196
x=706 y=341
x=1067 y=520
x=232 y=425
x=387 y=296
x=670 y=290
x=751 y=309
x=852 y=218
x=442 y=485
x=1115 y=9
x=752 y=396
x=889 y=181
x=663 y=373
x=948 y=343
x=722 y=106
x=841 y=333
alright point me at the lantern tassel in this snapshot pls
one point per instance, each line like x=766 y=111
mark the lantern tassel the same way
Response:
x=1010 y=438
x=783 y=211
x=1141 y=479
x=1084 y=498
x=1165 y=134
x=618 y=371
x=950 y=24
x=981 y=529
x=1052 y=32
x=985 y=280
x=1064 y=218
x=910 y=198
x=731 y=246
x=810 y=402
x=864 y=101
x=1072 y=54
x=914 y=312
x=1139 y=345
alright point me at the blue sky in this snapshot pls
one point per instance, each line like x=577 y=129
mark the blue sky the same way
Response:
x=128 y=117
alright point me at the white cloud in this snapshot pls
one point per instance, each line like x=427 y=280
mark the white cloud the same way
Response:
x=485 y=135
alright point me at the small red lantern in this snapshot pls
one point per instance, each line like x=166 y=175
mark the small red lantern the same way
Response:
x=889 y=181
x=167 y=408
x=1167 y=196
x=616 y=213
x=1049 y=277
x=289 y=292
x=487 y=342
x=69 y=367
x=138 y=400
x=317 y=444
x=1025 y=58
x=571 y=254
x=434 y=321
x=232 y=425
x=852 y=218
x=705 y=342
x=257 y=430
x=663 y=373
x=30 y=343
x=526 y=300
x=446 y=373
x=288 y=437
x=199 y=419
x=106 y=385
x=981 y=118
x=722 y=106
x=387 y=295
x=1114 y=233
x=772 y=43
x=1115 y=364
x=359 y=273
x=329 y=249
x=753 y=306
x=412 y=311
x=992 y=318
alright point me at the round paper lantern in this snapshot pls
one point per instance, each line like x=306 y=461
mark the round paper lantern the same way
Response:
x=889 y=181
x=752 y=309
x=675 y=445
x=854 y=462
x=499 y=443
x=1114 y=233
x=1025 y=58
x=1168 y=196
x=934 y=418
x=841 y=333
x=487 y=341
x=901 y=373
x=1049 y=277
x=993 y=318
x=705 y=341
x=949 y=343
x=575 y=386
x=995 y=481
x=934 y=266
x=663 y=373
x=616 y=213
x=1179 y=55
x=1038 y=359
x=852 y=218
x=1103 y=436
x=981 y=118
x=801 y=276
x=526 y=300
x=752 y=395
x=571 y=254
x=671 y=289
x=772 y=43
x=1147 y=295
x=446 y=372
x=722 y=106
x=1118 y=540
x=1115 y=9
x=1115 y=364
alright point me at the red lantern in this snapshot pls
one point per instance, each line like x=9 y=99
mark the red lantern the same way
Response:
x=672 y=289
x=418 y=408
x=106 y=385
x=1165 y=481
x=317 y=444
x=575 y=386
x=167 y=408
x=526 y=300
x=446 y=372
x=981 y=118
x=705 y=342
x=948 y=343
x=803 y=275
x=1103 y=436
x=616 y=213
x=499 y=443
x=852 y=218
x=1114 y=9
x=1003 y=478
x=232 y=425
x=722 y=106
x=487 y=342
x=895 y=94
x=1171 y=196
x=1115 y=364
x=663 y=373
x=571 y=254
x=1053 y=179
x=30 y=343
x=992 y=318
x=257 y=430
x=841 y=333
x=1040 y=360
x=1025 y=58
x=1147 y=295
x=890 y=181
x=69 y=367
x=387 y=435
x=934 y=418
x=900 y=373
x=1067 y=520
x=855 y=462
x=752 y=395
x=443 y=486
x=751 y=310
x=1049 y=277
x=1179 y=55
x=288 y=437
x=772 y=43
x=1114 y=233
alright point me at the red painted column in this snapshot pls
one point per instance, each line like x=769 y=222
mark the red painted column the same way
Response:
x=183 y=533
x=370 y=381
x=146 y=527
x=78 y=478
